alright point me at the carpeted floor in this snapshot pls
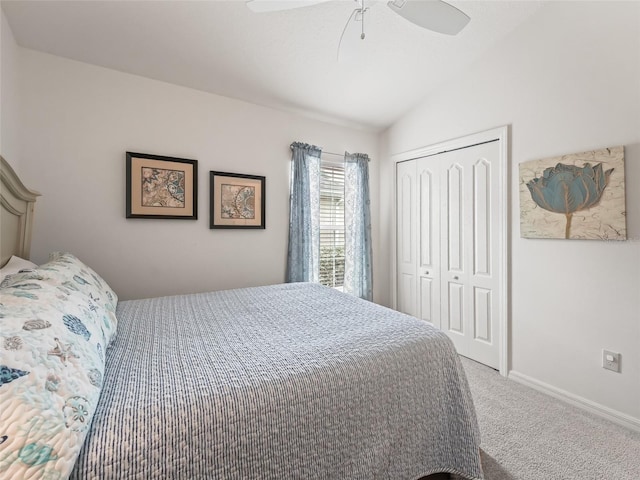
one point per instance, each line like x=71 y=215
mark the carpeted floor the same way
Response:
x=527 y=435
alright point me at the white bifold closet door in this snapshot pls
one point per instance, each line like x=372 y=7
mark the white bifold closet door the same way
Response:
x=448 y=246
x=406 y=242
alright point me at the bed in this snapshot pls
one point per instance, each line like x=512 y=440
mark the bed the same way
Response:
x=292 y=381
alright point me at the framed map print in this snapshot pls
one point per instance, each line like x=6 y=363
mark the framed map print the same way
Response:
x=161 y=187
x=237 y=201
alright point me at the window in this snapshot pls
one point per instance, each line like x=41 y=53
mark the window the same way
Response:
x=326 y=197
x=332 y=245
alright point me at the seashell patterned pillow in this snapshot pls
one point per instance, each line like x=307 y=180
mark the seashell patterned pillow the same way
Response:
x=68 y=267
x=70 y=275
x=55 y=324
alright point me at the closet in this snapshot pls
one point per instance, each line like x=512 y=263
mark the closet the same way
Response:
x=450 y=244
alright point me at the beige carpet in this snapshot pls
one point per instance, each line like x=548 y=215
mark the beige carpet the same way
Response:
x=527 y=435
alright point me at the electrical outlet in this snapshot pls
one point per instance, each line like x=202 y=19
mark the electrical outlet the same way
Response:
x=611 y=361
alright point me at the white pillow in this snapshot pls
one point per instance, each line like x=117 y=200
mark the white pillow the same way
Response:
x=14 y=265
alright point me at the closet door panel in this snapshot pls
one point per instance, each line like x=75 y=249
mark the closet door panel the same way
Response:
x=455 y=303
x=484 y=281
x=429 y=241
x=454 y=213
x=406 y=240
x=406 y=294
x=427 y=294
x=482 y=218
x=482 y=314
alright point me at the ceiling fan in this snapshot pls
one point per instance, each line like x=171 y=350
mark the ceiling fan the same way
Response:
x=435 y=15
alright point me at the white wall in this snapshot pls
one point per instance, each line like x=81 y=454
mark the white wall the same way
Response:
x=77 y=122
x=566 y=81
x=8 y=93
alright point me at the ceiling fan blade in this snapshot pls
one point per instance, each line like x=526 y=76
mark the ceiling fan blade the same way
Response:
x=261 y=6
x=433 y=15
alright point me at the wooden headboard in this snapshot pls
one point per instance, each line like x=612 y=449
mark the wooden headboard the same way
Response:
x=16 y=214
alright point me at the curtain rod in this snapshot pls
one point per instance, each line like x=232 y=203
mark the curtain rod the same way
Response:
x=337 y=154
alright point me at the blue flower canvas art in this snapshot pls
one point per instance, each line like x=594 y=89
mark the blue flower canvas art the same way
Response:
x=576 y=196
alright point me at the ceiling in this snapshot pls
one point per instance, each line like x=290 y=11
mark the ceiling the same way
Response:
x=285 y=60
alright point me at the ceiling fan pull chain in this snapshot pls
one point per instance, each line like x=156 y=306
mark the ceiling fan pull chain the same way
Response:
x=363 y=10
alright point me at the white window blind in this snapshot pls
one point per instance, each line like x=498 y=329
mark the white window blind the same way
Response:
x=332 y=224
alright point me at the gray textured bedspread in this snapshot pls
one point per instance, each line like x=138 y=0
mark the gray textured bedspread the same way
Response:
x=293 y=381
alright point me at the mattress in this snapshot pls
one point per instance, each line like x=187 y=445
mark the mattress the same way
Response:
x=294 y=381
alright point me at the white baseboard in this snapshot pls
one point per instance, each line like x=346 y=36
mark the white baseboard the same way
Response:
x=600 y=410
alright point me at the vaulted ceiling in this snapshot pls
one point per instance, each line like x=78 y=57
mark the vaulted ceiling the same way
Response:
x=285 y=60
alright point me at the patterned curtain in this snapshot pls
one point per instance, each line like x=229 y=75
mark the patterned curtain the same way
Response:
x=304 y=219
x=358 y=272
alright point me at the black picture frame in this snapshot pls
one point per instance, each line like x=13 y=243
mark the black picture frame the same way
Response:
x=161 y=187
x=237 y=201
